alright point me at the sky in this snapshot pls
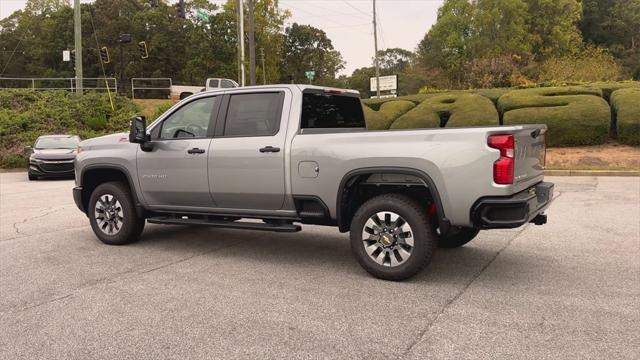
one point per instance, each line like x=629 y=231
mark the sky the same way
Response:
x=348 y=23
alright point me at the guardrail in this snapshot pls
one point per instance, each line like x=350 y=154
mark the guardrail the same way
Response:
x=152 y=86
x=91 y=84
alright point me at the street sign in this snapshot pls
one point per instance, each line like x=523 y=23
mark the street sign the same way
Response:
x=202 y=15
x=387 y=83
x=310 y=74
x=66 y=55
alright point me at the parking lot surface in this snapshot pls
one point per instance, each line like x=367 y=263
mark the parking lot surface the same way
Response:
x=566 y=290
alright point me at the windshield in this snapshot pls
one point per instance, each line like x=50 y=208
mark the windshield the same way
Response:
x=67 y=142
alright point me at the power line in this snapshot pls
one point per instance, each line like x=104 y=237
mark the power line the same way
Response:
x=367 y=14
x=10 y=57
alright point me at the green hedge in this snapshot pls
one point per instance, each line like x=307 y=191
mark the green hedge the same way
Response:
x=451 y=110
x=575 y=115
x=626 y=104
x=25 y=115
x=375 y=104
x=388 y=113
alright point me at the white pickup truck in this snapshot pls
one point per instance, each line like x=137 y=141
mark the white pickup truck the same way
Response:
x=182 y=91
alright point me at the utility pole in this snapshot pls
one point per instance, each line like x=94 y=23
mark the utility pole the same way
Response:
x=77 y=32
x=375 y=42
x=240 y=6
x=264 y=74
x=252 y=46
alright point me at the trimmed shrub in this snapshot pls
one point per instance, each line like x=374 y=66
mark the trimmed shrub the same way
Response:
x=610 y=86
x=574 y=115
x=450 y=110
x=375 y=104
x=389 y=111
x=626 y=104
x=492 y=94
x=25 y=115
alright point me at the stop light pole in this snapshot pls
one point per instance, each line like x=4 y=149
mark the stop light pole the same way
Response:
x=77 y=32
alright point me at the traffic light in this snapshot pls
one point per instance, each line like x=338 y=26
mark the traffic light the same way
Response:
x=142 y=47
x=104 y=55
x=73 y=58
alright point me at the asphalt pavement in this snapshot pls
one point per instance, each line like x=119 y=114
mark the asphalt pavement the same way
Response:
x=566 y=290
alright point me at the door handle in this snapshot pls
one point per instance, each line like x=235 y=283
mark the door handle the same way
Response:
x=269 y=149
x=195 y=151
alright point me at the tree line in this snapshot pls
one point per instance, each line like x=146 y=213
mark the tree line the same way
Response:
x=473 y=44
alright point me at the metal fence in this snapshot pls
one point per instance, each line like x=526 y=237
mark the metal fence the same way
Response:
x=91 y=84
x=151 y=88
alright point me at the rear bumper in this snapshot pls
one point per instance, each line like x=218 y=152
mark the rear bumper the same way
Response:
x=513 y=211
x=77 y=198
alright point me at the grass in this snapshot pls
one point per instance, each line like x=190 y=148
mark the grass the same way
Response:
x=575 y=116
x=450 y=110
x=626 y=104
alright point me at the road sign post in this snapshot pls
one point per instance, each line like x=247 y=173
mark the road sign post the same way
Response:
x=310 y=75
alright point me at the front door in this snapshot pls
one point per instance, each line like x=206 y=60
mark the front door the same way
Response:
x=174 y=172
x=246 y=157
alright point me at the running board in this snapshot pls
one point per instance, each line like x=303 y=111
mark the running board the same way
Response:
x=225 y=224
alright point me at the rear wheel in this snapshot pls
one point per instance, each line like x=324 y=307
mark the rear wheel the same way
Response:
x=391 y=237
x=113 y=216
x=457 y=236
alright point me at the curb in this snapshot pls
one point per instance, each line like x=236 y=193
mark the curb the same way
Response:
x=592 y=173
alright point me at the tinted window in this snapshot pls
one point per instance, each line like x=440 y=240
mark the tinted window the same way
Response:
x=190 y=121
x=66 y=142
x=213 y=83
x=253 y=114
x=322 y=111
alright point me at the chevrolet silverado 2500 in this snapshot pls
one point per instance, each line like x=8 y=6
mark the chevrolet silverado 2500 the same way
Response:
x=274 y=157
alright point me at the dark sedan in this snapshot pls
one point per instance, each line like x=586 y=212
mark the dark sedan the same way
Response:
x=52 y=156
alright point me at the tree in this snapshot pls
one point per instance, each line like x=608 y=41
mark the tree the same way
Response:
x=447 y=45
x=500 y=28
x=394 y=60
x=553 y=27
x=308 y=48
x=614 y=24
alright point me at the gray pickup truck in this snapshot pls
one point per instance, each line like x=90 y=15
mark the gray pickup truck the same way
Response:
x=273 y=157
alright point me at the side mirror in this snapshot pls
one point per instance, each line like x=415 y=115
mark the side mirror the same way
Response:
x=138 y=130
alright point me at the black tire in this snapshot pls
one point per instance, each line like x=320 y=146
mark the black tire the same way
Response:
x=131 y=224
x=457 y=237
x=32 y=177
x=424 y=238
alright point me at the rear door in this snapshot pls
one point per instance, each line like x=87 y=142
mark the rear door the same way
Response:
x=246 y=157
x=174 y=172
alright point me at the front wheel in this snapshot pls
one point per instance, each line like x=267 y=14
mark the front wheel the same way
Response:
x=113 y=216
x=391 y=237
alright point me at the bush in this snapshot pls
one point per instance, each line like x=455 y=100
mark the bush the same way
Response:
x=626 y=104
x=25 y=115
x=389 y=111
x=574 y=115
x=376 y=103
x=592 y=64
x=608 y=87
x=450 y=110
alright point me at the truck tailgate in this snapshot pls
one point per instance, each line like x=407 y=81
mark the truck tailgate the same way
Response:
x=530 y=153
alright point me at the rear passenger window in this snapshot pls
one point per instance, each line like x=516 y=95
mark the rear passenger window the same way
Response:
x=253 y=114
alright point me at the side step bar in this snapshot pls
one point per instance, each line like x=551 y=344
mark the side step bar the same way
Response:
x=280 y=227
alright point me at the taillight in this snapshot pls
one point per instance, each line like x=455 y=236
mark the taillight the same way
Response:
x=503 y=167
